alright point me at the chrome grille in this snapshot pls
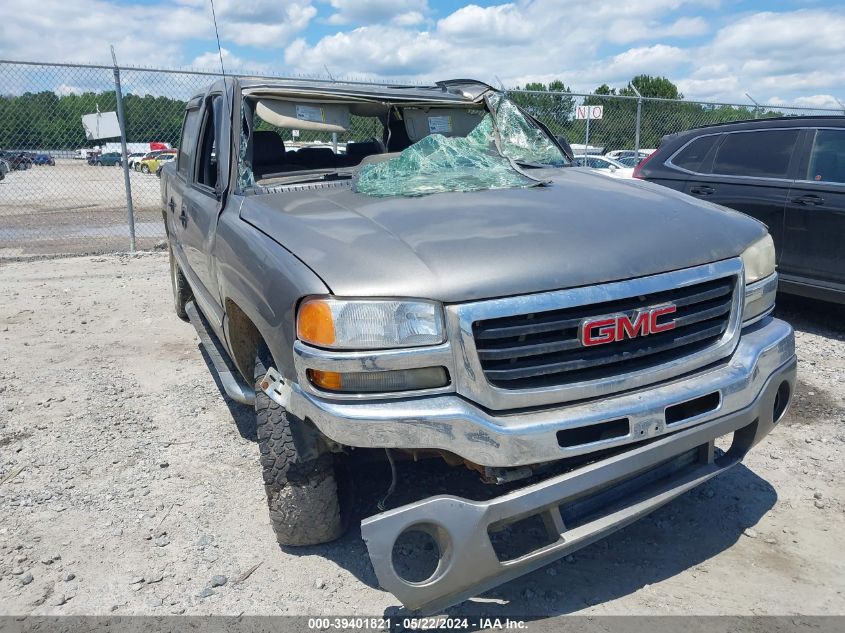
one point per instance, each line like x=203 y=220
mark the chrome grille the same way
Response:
x=543 y=349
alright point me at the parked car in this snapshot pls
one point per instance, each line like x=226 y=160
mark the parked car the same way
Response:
x=147 y=157
x=108 y=159
x=17 y=160
x=134 y=158
x=630 y=161
x=787 y=172
x=43 y=159
x=162 y=160
x=150 y=165
x=605 y=165
x=621 y=153
x=581 y=341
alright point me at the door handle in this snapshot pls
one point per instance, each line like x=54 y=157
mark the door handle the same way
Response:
x=183 y=217
x=809 y=199
x=171 y=205
x=703 y=190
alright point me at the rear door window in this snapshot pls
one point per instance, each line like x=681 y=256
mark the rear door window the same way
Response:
x=692 y=156
x=827 y=158
x=758 y=154
x=188 y=142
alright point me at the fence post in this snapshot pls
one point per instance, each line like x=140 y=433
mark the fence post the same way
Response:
x=125 y=157
x=639 y=119
x=587 y=135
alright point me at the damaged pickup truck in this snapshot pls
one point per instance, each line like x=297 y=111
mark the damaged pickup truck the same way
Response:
x=433 y=278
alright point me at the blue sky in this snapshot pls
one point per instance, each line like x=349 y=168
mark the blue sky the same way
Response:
x=784 y=52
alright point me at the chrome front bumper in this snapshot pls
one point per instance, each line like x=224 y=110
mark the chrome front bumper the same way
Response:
x=451 y=423
x=578 y=507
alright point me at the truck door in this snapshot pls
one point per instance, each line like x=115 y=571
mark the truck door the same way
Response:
x=815 y=213
x=751 y=172
x=174 y=193
x=200 y=208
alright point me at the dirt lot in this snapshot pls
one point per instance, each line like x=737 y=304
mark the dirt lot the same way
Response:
x=75 y=208
x=130 y=485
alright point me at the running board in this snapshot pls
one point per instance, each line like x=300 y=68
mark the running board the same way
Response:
x=232 y=384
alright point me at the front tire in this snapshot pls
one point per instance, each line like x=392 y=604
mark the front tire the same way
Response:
x=145 y=169
x=181 y=289
x=302 y=495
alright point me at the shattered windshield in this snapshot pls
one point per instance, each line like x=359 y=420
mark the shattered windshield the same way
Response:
x=489 y=157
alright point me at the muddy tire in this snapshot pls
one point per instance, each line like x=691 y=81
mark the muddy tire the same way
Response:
x=302 y=495
x=181 y=289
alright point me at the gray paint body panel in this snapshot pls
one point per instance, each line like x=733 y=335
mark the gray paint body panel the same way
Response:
x=583 y=229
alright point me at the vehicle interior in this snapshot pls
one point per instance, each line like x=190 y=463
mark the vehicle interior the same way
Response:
x=312 y=136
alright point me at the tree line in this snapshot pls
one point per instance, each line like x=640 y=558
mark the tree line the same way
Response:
x=46 y=120
x=617 y=128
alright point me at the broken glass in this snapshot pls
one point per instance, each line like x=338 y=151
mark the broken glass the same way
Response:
x=519 y=139
x=438 y=163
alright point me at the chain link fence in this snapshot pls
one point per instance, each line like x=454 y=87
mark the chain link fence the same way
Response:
x=61 y=197
x=630 y=123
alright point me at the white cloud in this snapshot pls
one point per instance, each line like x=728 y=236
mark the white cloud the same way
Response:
x=263 y=23
x=819 y=101
x=370 y=51
x=409 y=18
x=767 y=54
x=81 y=31
x=659 y=59
x=501 y=24
x=64 y=89
x=363 y=12
x=709 y=54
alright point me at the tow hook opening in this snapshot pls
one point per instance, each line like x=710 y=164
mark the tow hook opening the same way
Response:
x=421 y=553
x=781 y=401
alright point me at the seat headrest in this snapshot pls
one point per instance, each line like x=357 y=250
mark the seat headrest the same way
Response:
x=364 y=148
x=267 y=147
x=314 y=156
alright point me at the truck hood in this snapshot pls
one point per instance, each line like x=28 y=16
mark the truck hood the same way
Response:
x=582 y=229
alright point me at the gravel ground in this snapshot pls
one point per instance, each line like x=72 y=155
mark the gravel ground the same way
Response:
x=75 y=208
x=130 y=485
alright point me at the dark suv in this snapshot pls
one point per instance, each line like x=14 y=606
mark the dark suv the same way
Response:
x=787 y=172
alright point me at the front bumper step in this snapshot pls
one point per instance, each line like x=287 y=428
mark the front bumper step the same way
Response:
x=576 y=508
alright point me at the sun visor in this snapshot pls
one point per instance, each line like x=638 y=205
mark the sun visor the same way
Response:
x=419 y=122
x=318 y=117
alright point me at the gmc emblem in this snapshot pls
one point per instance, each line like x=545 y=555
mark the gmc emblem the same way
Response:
x=618 y=327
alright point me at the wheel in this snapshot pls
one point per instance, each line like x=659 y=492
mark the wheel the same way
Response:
x=119 y=164
x=302 y=495
x=181 y=290
x=145 y=169
x=98 y=163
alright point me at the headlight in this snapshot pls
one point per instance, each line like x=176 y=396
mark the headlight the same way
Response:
x=759 y=259
x=369 y=323
x=761 y=283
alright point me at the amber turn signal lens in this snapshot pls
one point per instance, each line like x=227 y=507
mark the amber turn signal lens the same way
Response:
x=328 y=380
x=314 y=323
